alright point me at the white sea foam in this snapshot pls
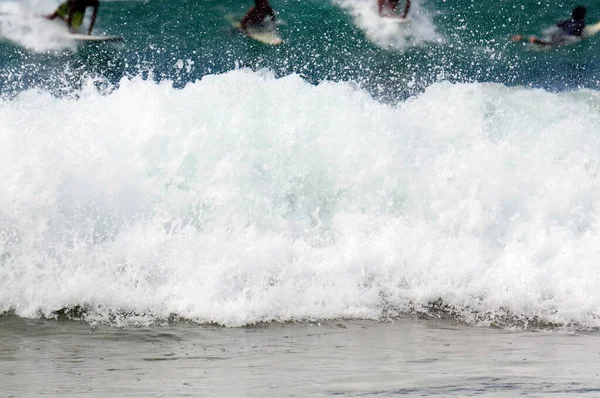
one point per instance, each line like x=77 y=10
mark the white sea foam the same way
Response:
x=35 y=34
x=245 y=198
x=386 y=34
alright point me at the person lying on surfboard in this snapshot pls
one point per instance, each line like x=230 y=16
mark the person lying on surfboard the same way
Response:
x=73 y=11
x=562 y=31
x=257 y=14
x=387 y=7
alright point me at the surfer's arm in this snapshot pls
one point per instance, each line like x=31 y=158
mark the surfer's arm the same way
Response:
x=272 y=14
x=244 y=22
x=532 y=40
x=93 y=21
x=535 y=40
x=406 y=8
x=52 y=16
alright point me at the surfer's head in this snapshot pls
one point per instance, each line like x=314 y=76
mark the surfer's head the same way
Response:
x=261 y=3
x=578 y=13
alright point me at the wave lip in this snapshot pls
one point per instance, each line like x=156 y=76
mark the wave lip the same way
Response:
x=244 y=198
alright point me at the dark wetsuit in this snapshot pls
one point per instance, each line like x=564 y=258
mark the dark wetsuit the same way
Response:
x=572 y=27
x=256 y=16
x=391 y=5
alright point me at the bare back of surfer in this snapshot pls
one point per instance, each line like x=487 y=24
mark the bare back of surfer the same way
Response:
x=387 y=8
x=256 y=15
x=73 y=12
x=563 y=31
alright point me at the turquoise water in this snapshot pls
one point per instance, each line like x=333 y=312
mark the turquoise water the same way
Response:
x=468 y=42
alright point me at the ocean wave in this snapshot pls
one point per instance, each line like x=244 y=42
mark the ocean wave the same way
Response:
x=246 y=198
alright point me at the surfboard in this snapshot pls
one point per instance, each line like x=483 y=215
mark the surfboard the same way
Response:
x=545 y=47
x=90 y=38
x=591 y=30
x=265 y=36
x=397 y=20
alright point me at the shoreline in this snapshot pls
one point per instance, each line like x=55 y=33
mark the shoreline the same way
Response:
x=410 y=357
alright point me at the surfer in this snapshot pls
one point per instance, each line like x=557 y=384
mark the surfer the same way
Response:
x=73 y=11
x=387 y=7
x=257 y=14
x=562 y=31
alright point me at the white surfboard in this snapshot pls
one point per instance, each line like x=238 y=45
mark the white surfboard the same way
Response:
x=83 y=38
x=265 y=36
x=591 y=30
x=397 y=20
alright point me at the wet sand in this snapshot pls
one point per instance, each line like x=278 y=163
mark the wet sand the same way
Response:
x=410 y=357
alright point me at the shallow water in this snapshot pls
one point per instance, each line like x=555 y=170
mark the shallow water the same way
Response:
x=410 y=357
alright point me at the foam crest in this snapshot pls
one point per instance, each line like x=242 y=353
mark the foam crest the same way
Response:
x=244 y=198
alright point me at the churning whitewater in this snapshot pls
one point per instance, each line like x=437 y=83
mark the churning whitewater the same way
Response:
x=305 y=202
